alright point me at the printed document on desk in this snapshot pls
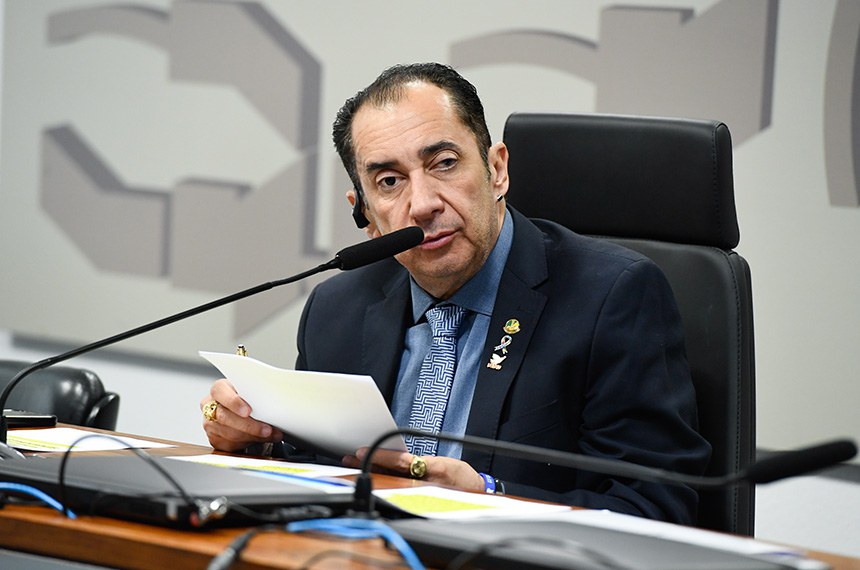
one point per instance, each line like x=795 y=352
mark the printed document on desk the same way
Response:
x=335 y=413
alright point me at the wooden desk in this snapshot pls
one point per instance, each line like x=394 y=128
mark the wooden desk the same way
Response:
x=124 y=544
x=128 y=545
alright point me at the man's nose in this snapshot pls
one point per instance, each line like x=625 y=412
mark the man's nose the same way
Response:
x=426 y=200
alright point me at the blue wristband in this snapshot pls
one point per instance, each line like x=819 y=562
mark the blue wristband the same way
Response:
x=489 y=483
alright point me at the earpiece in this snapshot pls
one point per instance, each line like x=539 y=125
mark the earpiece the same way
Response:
x=358 y=211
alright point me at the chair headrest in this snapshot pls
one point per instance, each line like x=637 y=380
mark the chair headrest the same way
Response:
x=625 y=176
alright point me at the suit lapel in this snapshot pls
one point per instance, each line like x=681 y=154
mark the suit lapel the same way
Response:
x=516 y=300
x=382 y=338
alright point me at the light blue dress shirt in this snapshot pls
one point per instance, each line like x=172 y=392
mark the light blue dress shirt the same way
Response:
x=478 y=296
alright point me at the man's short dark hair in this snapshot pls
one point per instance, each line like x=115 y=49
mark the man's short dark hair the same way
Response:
x=388 y=88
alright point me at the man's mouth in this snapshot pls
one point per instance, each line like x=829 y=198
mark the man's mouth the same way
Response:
x=437 y=240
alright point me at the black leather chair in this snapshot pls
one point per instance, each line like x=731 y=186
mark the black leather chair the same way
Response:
x=662 y=187
x=76 y=396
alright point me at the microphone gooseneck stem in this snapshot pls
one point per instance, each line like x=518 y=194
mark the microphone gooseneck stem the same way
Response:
x=785 y=465
x=364 y=487
x=351 y=257
x=4 y=425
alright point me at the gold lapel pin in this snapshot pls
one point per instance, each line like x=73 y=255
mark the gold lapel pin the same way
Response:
x=512 y=326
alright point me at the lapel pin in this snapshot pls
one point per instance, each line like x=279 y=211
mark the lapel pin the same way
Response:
x=506 y=340
x=495 y=361
x=511 y=327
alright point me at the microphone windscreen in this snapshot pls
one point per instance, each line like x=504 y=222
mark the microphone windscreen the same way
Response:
x=377 y=249
x=801 y=461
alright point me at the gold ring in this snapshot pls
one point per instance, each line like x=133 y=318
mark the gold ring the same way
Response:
x=209 y=409
x=417 y=467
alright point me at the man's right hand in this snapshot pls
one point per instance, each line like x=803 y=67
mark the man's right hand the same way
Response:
x=232 y=428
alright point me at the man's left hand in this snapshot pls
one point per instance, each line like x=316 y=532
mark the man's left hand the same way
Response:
x=441 y=470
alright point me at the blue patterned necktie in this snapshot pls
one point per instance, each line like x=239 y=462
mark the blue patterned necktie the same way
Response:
x=435 y=378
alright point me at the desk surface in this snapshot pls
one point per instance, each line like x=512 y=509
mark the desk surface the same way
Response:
x=124 y=544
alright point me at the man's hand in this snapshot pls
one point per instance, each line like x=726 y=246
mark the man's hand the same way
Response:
x=441 y=470
x=232 y=428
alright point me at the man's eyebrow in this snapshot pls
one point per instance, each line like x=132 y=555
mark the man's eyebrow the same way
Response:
x=372 y=167
x=436 y=147
x=428 y=150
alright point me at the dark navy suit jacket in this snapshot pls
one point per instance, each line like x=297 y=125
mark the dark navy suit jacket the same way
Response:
x=598 y=366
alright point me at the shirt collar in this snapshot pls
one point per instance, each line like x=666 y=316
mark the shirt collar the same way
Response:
x=478 y=294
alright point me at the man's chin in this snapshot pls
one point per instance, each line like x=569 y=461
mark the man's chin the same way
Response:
x=441 y=281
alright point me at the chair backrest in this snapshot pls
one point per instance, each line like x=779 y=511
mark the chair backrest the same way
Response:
x=662 y=187
x=75 y=395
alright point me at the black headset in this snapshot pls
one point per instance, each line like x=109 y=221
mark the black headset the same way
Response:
x=358 y=211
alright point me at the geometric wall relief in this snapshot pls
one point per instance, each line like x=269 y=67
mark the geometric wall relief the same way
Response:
x=718 y=64
x=842 y=107
x=169 y=231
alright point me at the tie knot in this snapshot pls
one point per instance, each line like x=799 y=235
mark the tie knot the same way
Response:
x=445 y=319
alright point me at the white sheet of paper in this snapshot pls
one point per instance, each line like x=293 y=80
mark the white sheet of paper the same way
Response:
x=310 y=470
x=62 y=438
x=321 y=477
x=337 y=412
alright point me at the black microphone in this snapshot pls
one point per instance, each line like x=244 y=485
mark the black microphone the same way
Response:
x=352 y=257
x=800 y=461
x=378 y=249
x=781 y=466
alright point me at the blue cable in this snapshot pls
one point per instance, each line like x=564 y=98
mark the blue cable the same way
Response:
x=353 y=528
x=28 y=490
x=299 y=478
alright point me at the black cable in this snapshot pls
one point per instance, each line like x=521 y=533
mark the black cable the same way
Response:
x=201 y=511
x=137 y=451
x=230 y=554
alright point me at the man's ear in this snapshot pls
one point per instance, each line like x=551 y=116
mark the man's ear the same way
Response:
x=497 y=159
x=354 y=199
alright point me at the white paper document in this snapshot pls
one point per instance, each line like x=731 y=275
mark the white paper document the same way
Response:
x=322 y=477
x=337 y=413
x=62 y=439
x=309 y=470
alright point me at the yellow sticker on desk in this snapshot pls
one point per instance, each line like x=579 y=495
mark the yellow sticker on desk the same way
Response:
x=423 y=504
x=275 y=469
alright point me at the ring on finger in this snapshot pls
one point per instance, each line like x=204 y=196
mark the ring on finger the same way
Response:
x=417 y=467
x=209 y=410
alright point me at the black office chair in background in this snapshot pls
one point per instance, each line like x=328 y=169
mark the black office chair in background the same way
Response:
x=75 y=395
x=662 y=187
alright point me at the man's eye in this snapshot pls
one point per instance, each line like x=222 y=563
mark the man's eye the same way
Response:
x=446 y=163
x=388 y=181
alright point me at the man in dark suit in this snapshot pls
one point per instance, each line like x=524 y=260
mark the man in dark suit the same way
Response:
x=565 y=342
